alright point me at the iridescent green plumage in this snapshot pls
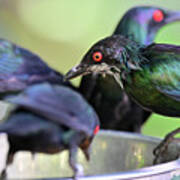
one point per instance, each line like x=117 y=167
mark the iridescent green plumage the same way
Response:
x=153 y=81
x=104 y=94
x=157 y=85
x=150 y=75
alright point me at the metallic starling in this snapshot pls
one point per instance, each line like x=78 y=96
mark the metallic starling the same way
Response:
x=115 y=109
x=149 y=75
x=49 y=119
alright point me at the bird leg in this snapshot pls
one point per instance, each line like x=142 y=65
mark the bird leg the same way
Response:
x=77 y=168
x=163 y=146
x=9 y=160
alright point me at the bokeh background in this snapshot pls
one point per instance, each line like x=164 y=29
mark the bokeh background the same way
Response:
x=61 y=31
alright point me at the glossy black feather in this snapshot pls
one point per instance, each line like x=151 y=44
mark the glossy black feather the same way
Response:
x=27 y=131
x=20 y=68
x=59 y=104
x=50 y=118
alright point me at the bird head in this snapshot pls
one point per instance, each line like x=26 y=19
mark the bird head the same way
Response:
x=143 y=22
x=109 y=56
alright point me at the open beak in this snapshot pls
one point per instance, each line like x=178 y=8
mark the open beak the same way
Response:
x=172 y=16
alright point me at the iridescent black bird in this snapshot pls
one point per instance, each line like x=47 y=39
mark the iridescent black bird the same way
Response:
x=20 y=68
x=142 y=23
x=151 y=75
x=49 y=119
x=115 y=109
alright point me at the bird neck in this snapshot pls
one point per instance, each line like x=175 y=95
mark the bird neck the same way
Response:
x=132 y=57
x=135 y=30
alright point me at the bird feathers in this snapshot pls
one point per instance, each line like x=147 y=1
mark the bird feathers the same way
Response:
x=59 y=104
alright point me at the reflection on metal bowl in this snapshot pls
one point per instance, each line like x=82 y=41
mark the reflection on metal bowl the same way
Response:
x=115 y=156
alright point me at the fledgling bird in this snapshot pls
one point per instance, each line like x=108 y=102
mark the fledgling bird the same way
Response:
x=151 y=75
x=115 y=109
x=20 y=68
x=49 y=119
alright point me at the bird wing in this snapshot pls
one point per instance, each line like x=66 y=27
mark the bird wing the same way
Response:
x=165 y=64
x=20 y=67
x=25 y=124
x=15 y=59
x=59 y=104
x=172 y=93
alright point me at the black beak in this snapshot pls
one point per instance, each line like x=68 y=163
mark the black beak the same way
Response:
x=84 y=69
x=172 y=16
x=76 y=71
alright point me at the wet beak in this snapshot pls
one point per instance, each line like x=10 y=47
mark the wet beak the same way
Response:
x=172 y=16
x=76 y=71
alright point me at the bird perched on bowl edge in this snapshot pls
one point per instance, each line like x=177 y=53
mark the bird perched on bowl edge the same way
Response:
x=49 y=119
x=149 y=75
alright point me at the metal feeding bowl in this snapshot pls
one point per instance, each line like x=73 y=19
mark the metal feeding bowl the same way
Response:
x=115 y=156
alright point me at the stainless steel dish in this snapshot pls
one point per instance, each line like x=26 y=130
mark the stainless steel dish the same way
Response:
x=115 y=156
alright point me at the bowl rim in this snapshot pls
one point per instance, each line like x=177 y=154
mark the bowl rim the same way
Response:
x=138 y=173
x=163 y=168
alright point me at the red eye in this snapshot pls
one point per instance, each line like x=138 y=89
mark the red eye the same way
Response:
x=97 y=56
x=158 y=15
x=96 y=130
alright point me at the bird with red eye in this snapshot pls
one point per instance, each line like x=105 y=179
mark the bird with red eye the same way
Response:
x=97 y=56
x=158 y=16
x=139 y=23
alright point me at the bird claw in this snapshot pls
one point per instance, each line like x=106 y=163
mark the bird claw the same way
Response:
x=163 y=146
x=159 y=151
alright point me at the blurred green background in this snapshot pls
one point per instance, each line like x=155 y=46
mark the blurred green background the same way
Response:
x=61 y=31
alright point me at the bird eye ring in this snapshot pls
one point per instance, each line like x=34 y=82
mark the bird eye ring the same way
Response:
x=97 y=56
x=158 y=15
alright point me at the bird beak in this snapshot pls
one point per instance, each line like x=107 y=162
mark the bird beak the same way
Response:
x=84 y=69
x=77 y=70
x=172 y=16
